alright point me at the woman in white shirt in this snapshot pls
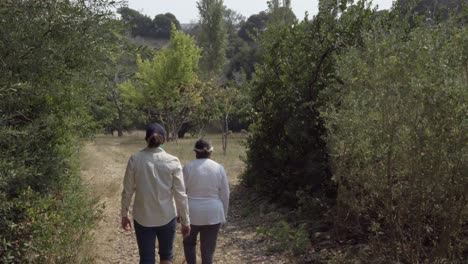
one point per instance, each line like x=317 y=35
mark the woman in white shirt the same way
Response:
x=156 y=179
x=207 y=189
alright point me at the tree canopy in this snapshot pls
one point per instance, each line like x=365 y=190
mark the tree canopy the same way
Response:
x=167 y=87
x=213 y=35
x=142 y=25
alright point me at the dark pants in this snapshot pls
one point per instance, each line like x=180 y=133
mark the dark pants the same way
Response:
x=146 y=239
x=208 y=237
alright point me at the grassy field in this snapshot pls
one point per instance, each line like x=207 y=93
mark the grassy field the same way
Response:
x=183 y=149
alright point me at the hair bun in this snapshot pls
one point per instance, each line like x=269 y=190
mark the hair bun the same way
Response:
x=155 y=140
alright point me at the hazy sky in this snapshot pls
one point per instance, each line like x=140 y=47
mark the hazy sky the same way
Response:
x=186 y=10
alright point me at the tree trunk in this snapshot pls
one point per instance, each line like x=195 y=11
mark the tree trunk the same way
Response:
x=183 y=130
x=201 y=132
x=115 y=99
x=225 y=134
x=173 y=130
x=120 y=123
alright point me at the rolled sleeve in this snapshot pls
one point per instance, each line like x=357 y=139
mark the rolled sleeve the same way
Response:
x=128 y=188
x=180 y=196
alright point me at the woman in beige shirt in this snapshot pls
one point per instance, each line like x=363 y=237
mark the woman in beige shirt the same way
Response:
x=155 y=177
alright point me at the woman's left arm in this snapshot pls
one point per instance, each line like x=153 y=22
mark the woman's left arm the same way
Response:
x=127 y=194
x=224 y=191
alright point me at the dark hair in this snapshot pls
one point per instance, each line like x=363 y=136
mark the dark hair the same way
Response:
x=155 y=128
x=155 y=140
x=202 y=149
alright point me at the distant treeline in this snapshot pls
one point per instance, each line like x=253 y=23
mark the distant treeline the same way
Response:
x=142 y=25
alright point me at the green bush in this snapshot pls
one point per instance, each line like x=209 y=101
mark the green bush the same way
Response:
x=398 y=138
x=45 y=212
x=286 y=150
x=46 y=90
x=283 y=237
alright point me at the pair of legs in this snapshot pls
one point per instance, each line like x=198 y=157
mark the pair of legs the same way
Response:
x=146 y=240
x=208 y=237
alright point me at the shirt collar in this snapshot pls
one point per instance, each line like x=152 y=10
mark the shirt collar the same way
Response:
x=154 y=150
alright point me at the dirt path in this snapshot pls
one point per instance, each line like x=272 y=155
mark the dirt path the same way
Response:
x=103 y=168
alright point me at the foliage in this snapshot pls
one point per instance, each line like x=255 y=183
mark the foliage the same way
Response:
x=228 y=99
x=280 y=12
x=162 y=25
x=432 y=11
x=397 y=134
x=282 y=237
x=243 y=55
x=207 y=112
x=287 y=151
x=243 y=61
x=213 y=36
x=142 y=25
x=46 y=91
x=167 y=87
x=233 y=22
x=110 y=111
x=255 y=23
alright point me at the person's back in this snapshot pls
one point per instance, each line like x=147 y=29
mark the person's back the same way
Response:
x=155 y=178
x=207 y=189
x=154 y=170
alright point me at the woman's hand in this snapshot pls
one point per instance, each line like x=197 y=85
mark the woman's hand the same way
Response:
x=126 y=224
x=185 y=231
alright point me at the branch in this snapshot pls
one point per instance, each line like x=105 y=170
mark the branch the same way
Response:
x=319 y=67
x=20 y=116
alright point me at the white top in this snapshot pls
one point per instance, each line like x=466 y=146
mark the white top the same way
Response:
x=208 y=192
x=156 y=179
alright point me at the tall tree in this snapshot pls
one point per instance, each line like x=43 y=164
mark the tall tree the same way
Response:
x=255 y=23
x=228 y=97
x=139 y=24
x=110 y=110
x=233 y=22
x=280 y=12
x=167 y=86
x=213 y=36
x=162 y=25
x=287 y=151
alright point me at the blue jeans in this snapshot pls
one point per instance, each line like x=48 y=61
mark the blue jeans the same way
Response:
x=146 y=240
x=208 y=237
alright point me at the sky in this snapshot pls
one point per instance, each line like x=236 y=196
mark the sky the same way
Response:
x=186 y=10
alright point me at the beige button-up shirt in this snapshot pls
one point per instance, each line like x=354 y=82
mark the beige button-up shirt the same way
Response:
x=157 y=181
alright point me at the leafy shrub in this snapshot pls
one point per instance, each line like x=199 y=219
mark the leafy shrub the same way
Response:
x=286 y=150
x=283 y=237
x=397 y=135
x=45 y=94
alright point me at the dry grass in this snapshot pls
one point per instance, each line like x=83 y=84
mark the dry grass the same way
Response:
x=133 y=142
